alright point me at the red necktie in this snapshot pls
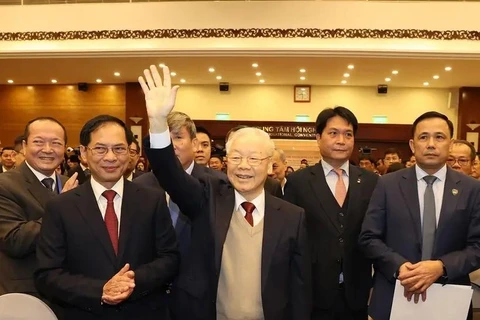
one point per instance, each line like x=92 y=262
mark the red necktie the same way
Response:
x=249 y=207
x=111 y=220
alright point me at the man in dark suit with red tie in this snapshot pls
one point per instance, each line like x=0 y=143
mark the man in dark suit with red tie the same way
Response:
x=107 y=250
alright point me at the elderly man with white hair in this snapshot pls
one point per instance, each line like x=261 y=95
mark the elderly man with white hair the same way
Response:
x=249 y=256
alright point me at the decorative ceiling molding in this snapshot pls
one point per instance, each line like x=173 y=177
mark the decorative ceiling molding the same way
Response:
x=243 y=33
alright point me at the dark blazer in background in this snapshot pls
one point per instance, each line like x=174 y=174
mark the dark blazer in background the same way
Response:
x=209 y=203
x=273 y=187
x=308 y=189
x=22 y=204
x=76 y=256
x=137 y=173
x=392 y=235
x=81 y=178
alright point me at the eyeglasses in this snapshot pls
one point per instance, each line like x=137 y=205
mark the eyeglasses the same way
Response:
x=250 y=160
x=101 y=151
x=133 y=152
x=461 y=162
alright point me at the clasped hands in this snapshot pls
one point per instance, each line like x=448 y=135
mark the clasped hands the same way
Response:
x=119 y=287
x=417 y=278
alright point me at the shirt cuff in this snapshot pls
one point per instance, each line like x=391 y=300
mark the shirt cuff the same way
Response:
x=160 y=140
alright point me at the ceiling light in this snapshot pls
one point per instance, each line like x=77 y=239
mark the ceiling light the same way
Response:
x=54 y=81
x=183 y=80
x=346 y=75
x=116 y=74
x=351 y=66
x=173 y=73
x=211 y=69
x=395 y=72
x=70 y=87
x=448 y=68
x=302 y=78
x=162 y=65
x=303 y=70
x=344 y=81
x=255 y=65
x=261 y=81
x=10 y=81
x=436 y=77
x=219 y=77
x=426 y=83
x=30 y=88
x=258 y=74
x=388 y=79
x=99 y=80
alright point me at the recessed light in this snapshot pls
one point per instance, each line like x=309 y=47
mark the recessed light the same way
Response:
x=303 y=70
x=388 y=79
x=219 y=77
x=448 y=68
x=211 y=69
x=183 y=80
x=436 y=77
x=395 y=72
x=10 y=81
x=261 y=81
x=351 y=66
x=258 y=74
x=116 y=74
x=346 y=75
x=99 y=80
x=70 y=87
x=255 y=65
x=54 y=81
x=344 y=81
x=426 y=83
x=162 y=65
x=30 y=88
x=173 y=73
x=302 y=78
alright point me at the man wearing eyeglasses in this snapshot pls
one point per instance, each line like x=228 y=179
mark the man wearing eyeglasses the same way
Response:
x=461 y=157
x=131 y=172
x=107 y=250
x=248 y=258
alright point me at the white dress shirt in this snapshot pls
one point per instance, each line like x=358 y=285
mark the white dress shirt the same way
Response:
x=332 y=177
x=259 y=203
x=438 y=188
x=98 y=189
x=41 y=176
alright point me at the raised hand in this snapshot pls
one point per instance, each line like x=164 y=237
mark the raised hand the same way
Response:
x=159 y=97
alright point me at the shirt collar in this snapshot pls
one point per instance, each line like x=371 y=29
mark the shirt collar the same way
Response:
x=327 y=168
x=98 y=189
x=258 y=202
x=40 y=176
x=441 y=174
x=190 y=168
x=83 y=167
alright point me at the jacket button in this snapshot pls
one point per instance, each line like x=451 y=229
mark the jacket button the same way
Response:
x=340 y=240
x=341 y=214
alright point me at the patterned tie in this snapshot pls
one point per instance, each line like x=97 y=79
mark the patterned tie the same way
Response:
x=111 y=220
x=340 y=189
x=249 y=207
x=429 y=227
x=48 y=183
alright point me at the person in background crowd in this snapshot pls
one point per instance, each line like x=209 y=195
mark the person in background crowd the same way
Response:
x=203 y=147
x=134 y=151
x=461 y=157
x=476 y=168
x=391 y=155
x=411 y=162
x=8 y=159
x=279 y=167
x=367 y=163
x=141 y=166
x=216 y=162
x=73 y=161
x=289 y=170
x=19 y=154
x=380 y=166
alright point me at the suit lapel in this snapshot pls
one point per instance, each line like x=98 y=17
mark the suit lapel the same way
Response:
x=224 y=205
x=320 y=188
x=35 y=187
x=409 y=190
x=354 y=191
x=271 y=233
x=450 y=199
x=129 y=206
x=88 y=207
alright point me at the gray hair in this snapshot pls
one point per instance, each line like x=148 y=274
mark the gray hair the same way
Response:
x=177 y=120
x=282 y=155
x=260 y=134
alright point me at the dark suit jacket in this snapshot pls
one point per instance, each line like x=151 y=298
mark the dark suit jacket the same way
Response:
x=22 y=203
x=208 y=202
x=308 y=189
x=273 y=187
x=391 y=233
x=137 y=173
x=76 y=257
x=81 y=178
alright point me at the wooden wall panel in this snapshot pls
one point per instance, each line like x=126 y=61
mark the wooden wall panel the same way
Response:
x=19 y=104
x=468 y=110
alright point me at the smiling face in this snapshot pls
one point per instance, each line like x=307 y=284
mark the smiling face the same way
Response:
x=336 y=141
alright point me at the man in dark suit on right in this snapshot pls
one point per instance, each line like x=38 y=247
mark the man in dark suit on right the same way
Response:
x=334 y=210
x=82 y=170
x=423 y=223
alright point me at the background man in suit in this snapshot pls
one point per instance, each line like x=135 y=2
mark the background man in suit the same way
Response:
x=132 y=173
x=8 y=159
x=423 y=223
x=203 y=150
x=82 y=171
x=107 y=249
x=248 y=256
x=19 y=153
x=24 y=192
x=335 y=197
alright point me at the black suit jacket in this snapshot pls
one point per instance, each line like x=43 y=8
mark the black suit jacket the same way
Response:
x=22 y=203
x=391 y=233
x=273 y=187
x=209 y=202
x=76 y=257
x=81 y=178
x=308 y=189
x=137 y=174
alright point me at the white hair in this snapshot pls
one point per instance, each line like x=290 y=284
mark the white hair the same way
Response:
x=260 y=135
x=282 y=155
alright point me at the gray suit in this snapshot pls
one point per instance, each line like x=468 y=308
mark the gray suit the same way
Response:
x=391 y=233
x=22 y=203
